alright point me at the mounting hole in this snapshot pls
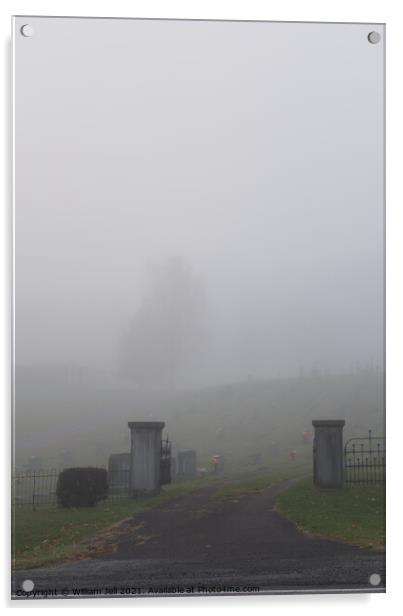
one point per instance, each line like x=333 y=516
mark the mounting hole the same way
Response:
x=28 y=585
x=27 y=30
x=374 y=37
x=375 y=579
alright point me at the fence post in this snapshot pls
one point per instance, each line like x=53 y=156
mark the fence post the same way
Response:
x=33 y=494
x=328 y=453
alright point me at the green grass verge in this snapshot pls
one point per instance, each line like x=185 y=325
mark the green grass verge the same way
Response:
x=264 y=477
x=355 y=514
x=49 y=535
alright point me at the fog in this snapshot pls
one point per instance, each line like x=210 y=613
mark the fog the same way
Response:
x=197 y=205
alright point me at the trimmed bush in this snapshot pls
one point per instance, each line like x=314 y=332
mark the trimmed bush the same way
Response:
x=81 y=487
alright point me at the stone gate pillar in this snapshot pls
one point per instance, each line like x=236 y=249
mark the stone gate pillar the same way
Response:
x=145 y=456
x=328 y=453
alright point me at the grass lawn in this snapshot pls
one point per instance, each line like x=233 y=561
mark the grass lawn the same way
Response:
x=48 y=534
x=247 y=483
x=355 y=514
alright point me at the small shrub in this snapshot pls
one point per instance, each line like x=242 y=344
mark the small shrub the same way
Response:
x=81 y=487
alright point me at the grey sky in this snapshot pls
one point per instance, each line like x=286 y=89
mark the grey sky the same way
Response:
x=253 y=150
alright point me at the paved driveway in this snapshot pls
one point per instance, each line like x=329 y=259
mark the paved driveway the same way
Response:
x=198 y=545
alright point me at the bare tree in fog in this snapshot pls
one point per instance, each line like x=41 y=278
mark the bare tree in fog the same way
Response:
x=168 y=327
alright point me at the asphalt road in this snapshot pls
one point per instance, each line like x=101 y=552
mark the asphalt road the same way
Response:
x=198 y=545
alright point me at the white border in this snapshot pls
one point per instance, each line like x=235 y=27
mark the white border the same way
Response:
x=378 y=11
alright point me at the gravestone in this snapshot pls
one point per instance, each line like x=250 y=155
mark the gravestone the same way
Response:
x=145 y=456
x=119 y=469
x=187 y=467
x=328 y=453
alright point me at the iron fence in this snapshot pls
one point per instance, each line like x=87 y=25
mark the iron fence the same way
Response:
x=35 y=488
x=365 y=460
x=165 y=461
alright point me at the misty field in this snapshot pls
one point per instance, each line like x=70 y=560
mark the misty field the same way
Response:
x=236 y=420
x=353 y=514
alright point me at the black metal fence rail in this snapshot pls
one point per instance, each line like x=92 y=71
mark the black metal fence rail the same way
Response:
x=35 y=488
x=365 y=460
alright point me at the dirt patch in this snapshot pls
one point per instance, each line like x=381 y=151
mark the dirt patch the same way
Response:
x=106 y=542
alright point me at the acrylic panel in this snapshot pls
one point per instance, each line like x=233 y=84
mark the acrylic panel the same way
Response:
x=198 y=307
